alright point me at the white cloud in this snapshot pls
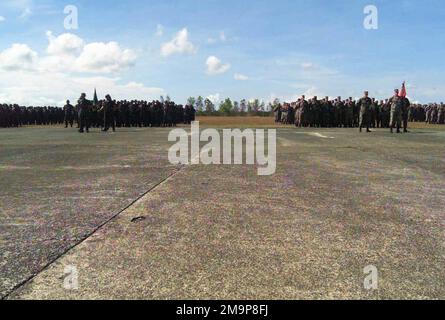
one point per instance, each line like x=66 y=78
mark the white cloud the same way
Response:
x=215 y=98
x=18 y=57
x=102 y=57
x=179 y=44
x=159 y=30
x=69 y=53
x=2 y=18
x=240 y=77
x=29 y=79
x=312 y=92
x=65 y=44
x=43 y=88
x=215 y=66
x=53 y=63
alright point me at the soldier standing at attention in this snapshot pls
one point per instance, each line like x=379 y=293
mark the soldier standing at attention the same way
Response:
x=69 y=114
x=277 y=113
x=108 y=108
x=303 y=111
x=83 y=107
x=340 y=112
x=396 y=104
x=405 y=113
x=441 y=114
x=404 y=108
x=372 y=114
x=316 y=112
x=349 y=113
x=355 y=113
x=365 y=107
x=326 y=113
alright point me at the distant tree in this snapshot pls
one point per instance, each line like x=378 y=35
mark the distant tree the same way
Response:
x=253 y=106
x=191 y=101
x=200 y=104
x=262 y=106
x=272 y=105
x=168 y=99
x=226 y=107
x=243 y=106
x=236 y=108
x=162 y=99
x=276 y=102
x=209 y=106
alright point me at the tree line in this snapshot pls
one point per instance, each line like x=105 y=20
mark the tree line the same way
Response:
x=227 y=107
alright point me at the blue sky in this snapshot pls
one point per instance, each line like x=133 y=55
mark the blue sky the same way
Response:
x=253 y=49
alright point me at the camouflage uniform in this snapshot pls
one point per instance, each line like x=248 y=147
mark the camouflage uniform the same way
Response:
x=365 y=107
x=396 y=104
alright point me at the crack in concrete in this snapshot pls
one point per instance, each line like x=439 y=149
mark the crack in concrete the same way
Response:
x=89 y=235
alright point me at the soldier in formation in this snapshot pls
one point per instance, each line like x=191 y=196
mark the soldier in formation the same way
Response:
x=326 y=113
x=109 y=110
x=433 y=113
x=365 y=105
x=114 y=114
x=366 y=113
x=103 y=114
x=13 y=116
x=69 y=112
x=396 y=103
x=314 y=113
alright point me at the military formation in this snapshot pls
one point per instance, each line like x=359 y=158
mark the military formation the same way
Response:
x=16 y=116
x=105 y=114
x=366 y=113
x=432 y=114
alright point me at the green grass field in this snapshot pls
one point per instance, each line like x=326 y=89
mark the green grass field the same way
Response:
x=334 y=206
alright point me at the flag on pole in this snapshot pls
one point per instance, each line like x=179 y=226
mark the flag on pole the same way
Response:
x=95 y=100
x=403 y=91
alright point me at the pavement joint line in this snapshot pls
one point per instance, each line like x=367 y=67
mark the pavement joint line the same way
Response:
x=89 y=235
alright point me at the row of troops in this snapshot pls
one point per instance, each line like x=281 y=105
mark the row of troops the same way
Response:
x=110 y=113
x=104 y=114
x=433 y=113
x=364 y=113
x=17 y=116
